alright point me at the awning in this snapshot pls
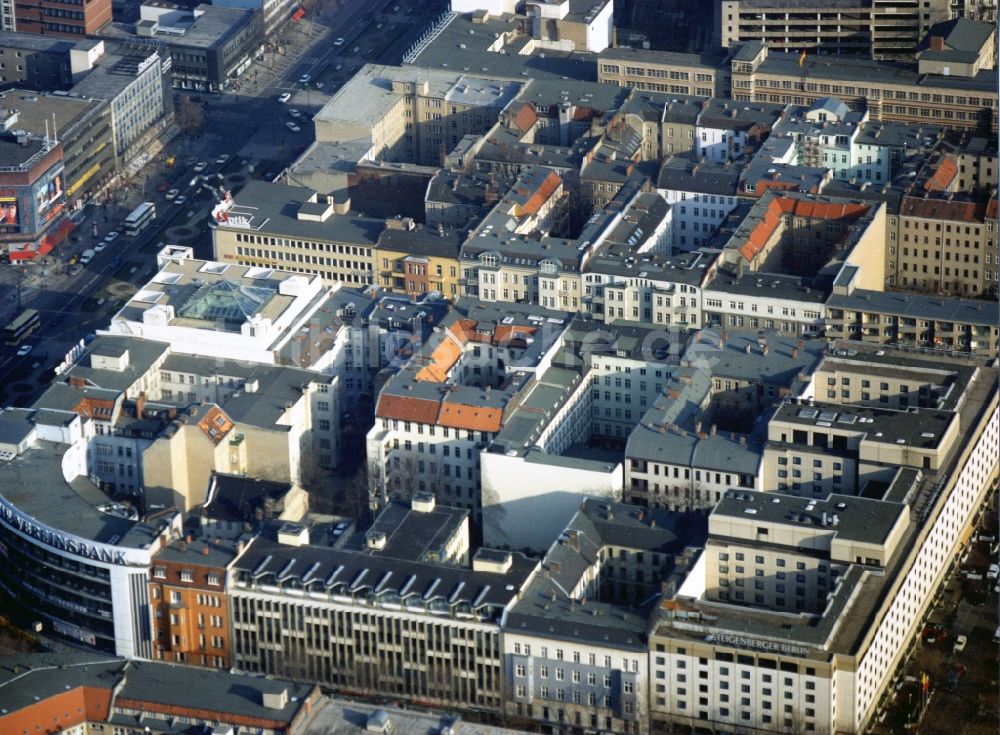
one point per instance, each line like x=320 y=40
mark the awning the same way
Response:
x=299 y=14
x=56 y=237
x=22 y=254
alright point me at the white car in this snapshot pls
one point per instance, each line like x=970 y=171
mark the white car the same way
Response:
x=293 y=127
x=111 y=236
x=100 y=246
x=199 y=167
x=172 y=194
x=993 y=572
x=24 y=350
x=294 y=113
x=339 y=42
x=180 y=200
x=319 y=85
x=285 y=97
x=304 y=79
x=221 y=160
x=960 y=644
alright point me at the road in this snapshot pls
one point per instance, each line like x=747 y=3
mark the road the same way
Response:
x=371 y=32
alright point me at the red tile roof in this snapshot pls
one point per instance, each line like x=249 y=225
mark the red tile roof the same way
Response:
x=942 y=177
x=407 y=408
x=805 y=208
x=545 y=190
x=472 y=418
x=525 y=118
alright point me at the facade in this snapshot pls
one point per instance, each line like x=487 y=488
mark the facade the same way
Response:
x=83 y=19
x=274 y=226
x=73 y=557
x=328 y=615
x=208 y=45
x=189 y=607
x=33 y=61
x=134 y=81
x=839 y=650
x=32 y=182
x=417 y=261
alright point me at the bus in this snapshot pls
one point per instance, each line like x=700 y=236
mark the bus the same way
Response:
x=27 y=323
x=137 y=221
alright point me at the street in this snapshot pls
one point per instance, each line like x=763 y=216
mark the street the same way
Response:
x=249 y=124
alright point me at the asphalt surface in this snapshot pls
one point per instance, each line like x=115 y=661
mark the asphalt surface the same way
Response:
x=249 y=124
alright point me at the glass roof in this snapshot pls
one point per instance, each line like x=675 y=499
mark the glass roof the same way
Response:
x=226 y=301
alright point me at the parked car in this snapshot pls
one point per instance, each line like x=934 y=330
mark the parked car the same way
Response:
x=305 y=78
x=111 y=236
x=199 y=167
x=221 y=160
x=294 y=113
x=293 y=127
x=100 y=247
x=319 y=85
x=172 y=194
x=285 y=97
x=960 y=644
x=339 y=42
x=180 y=200
x=993 y=572
x=24 y=350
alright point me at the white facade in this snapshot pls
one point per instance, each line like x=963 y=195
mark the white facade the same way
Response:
x=696 y=216
x=764 y=311
x=495 y=7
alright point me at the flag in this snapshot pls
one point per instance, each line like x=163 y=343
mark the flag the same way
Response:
x=802 y=57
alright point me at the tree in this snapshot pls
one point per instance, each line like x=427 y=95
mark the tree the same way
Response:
x=190 y=115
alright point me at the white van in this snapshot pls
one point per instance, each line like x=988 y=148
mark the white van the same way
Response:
x=88 y=255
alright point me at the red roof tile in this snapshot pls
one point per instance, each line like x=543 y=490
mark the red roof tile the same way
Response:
x=407 y=408
x=471 y=418
x=942 y=177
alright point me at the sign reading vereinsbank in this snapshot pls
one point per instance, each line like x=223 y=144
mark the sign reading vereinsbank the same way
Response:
x=86 y=548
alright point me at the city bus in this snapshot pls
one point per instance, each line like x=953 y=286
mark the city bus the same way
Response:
x=137 y=221
x=25 y=324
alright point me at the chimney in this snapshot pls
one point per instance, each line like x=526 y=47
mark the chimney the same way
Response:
x=204 y=551
x=140 y=405
x=937 y=43
x=77 y=382
x=795 y=353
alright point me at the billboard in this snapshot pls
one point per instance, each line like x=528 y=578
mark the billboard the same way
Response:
x=9 y=219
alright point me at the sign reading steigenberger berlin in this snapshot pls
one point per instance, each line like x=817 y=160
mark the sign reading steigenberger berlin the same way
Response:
x=757 y=644
x=88 y=549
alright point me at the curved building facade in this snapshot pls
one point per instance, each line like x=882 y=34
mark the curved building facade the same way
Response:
x=71 y=555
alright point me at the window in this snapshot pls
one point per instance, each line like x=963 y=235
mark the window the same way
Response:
x=187 y=575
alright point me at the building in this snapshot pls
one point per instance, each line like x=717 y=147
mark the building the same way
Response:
x=74 y=557
x=418 y=260
x=189 y=606
x=591 y=669
x=817 y=27
x=410 y=114
x=696 y=75
x=571 y=25
x=134 y=81
x=209 y=45
x=32 y=192
x=83 y=692
x=700 y=194
x=803 y=607
x=275 y=226
x=83 y=126
x=887 y=92
x=37 y=17
x=911 y=320
x=38 y=61
x=338 y=608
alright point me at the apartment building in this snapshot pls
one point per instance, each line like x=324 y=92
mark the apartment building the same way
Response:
x=449 y=401
x=416 y=260
x=189 y=606
x=726 y=131
x=765 y=301
x=910 y=320
x=409 y=114
x=83 y=19
x=701 y=193
x=857 y=599
x=304 y=610
x=698 y=438
x=591 y=671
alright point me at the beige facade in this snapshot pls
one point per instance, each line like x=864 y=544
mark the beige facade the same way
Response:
x=662 y=71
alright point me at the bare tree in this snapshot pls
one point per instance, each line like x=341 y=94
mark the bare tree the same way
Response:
x=190 y=115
